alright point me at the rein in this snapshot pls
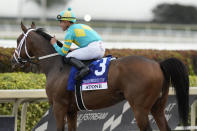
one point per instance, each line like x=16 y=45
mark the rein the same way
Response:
x=30 y=59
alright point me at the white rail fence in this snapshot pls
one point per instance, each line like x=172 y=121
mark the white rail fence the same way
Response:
x=21 y=97
x=25 y=96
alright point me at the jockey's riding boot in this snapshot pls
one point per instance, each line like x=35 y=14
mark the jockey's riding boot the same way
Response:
x=83 y=69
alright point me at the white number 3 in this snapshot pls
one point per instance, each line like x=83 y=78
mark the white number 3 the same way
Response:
x=103 y=66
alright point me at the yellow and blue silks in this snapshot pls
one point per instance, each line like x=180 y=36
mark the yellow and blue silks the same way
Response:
x=80 y=34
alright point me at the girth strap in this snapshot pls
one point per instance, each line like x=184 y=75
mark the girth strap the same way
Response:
x=78 y=96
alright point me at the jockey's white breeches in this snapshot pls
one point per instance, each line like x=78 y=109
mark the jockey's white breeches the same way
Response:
x=94 y=50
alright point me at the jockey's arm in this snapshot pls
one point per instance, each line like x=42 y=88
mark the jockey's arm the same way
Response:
x=64 y=50
x=66 y=46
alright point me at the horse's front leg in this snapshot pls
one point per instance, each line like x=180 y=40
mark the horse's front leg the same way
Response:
x=60 y=113
x=72 y=120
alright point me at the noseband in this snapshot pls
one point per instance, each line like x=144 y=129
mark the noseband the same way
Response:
x=30 y=59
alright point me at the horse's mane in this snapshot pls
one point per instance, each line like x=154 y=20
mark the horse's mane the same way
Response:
x=41 y=31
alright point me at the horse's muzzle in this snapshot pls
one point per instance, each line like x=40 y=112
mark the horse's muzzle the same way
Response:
x=16 y=65
x=13 y=63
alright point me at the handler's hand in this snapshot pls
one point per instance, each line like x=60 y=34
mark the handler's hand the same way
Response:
x=53 y=40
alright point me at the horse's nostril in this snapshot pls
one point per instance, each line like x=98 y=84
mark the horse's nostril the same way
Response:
x=13 y=63
x=13 y=66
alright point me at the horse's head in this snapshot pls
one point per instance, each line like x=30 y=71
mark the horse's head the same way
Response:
x=33 y=44
x=23 y=52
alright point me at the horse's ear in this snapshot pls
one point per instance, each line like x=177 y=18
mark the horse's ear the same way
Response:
x=24 y=29
x=33 y=25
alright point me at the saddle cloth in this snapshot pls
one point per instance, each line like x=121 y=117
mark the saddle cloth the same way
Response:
x=95 y=80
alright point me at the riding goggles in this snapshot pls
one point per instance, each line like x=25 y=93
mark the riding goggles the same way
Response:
x=59 y=17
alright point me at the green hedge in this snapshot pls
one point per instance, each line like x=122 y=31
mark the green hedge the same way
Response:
x=6 y=54
x=5 y=57
x=193 y=81
x=33 y=81
x=24 y=81
x=32 y=118
x=188 y=57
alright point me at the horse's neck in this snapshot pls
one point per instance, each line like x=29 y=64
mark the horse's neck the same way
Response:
x=50 y=64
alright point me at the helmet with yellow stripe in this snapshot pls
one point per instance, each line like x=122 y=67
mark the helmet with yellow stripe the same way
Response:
x=67 y=15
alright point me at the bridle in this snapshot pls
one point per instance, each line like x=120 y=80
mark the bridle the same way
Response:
x=30 y=59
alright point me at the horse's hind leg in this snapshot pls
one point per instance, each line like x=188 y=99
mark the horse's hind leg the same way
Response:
x=59 y=111
x=141 y=110
x=72 y=120
x=141 y=116
x=159 y=114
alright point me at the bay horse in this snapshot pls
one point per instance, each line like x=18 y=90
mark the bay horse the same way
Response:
x=144 y=83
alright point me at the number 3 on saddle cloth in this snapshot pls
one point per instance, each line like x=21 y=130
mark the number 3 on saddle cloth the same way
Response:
x=95 y=80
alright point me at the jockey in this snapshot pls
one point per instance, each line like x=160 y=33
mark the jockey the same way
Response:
x=89 y=43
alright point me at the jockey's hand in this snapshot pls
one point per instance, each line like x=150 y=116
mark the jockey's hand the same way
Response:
x=71 y=49
x=53 y=40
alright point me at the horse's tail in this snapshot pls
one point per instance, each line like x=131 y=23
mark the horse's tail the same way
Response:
x=175 y=71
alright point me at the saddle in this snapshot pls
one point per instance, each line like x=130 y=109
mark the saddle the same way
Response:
x=95 y=80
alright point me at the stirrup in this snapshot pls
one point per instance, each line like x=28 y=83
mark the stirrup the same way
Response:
x=83 y=72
